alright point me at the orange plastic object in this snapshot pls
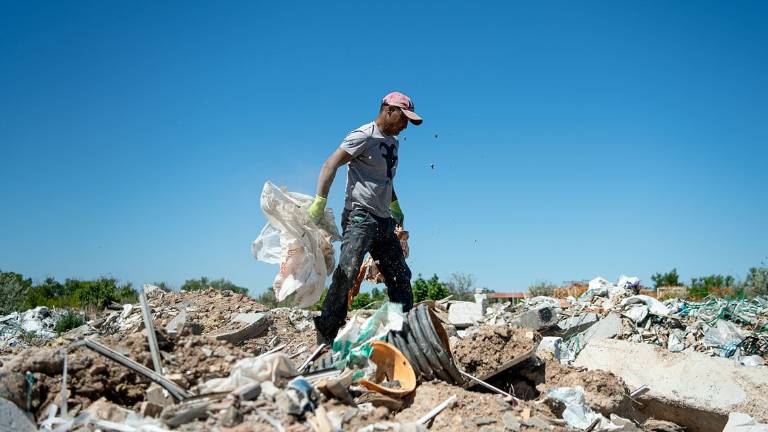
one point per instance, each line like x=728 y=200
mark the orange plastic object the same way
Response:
x=391 y=365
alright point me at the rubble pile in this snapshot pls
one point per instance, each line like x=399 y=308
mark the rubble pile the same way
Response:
x=20 y=330
x=216 y=360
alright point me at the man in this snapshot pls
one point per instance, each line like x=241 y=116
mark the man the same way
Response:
x=371 y=210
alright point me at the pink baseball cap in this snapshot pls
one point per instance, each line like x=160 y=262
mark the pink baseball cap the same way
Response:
x=404 y=103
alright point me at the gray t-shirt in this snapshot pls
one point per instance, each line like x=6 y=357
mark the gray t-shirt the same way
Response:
x=372 y=169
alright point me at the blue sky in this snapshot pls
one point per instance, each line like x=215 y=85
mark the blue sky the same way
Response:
x=569 y=139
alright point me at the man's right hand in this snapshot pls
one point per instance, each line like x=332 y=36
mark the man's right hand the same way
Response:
x=317 y=209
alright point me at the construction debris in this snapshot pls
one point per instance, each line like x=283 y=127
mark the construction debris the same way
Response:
x=611 y=359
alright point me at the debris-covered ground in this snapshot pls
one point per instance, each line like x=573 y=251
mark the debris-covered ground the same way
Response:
x=610 y=359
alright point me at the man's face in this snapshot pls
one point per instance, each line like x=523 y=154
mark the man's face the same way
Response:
x=395 y=121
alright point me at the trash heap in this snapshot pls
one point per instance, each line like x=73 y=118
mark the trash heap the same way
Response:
x=216 y=360
x=19 y=330
x=699 y=357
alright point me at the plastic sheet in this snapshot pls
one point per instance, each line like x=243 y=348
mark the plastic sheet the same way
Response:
x=353 y=343
x=655 y=307
x=577 y=414
x=302 y=248
x=252 y=370
x=724 y=335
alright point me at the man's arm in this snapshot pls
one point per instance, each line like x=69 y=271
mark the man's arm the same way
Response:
x=328 y=171
x=324 y=180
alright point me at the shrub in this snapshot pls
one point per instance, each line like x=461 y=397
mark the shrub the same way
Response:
x=13 y=291
x=68 y=321
x=542 y=289
x=361 y=300
x=219 y=284
x=701 y=286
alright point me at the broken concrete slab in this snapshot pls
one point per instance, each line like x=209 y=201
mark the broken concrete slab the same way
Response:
x=536 y=319
x=251 y=325
x=575 y=324
x=464 y=314
x=740 y=422
x=606 y=328
x=12 y=418
x=688 y=388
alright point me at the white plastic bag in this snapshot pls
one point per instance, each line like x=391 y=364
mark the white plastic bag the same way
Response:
x=250 y=370
x=577 y=413
x=302 y=248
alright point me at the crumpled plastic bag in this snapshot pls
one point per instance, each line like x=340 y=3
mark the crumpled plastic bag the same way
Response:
x=577 y=414
x=302 y=248
x=724 y=335
x=676 y=341
x=271 y=367
x=636 y=312
x=655 y=307
x=353 y=343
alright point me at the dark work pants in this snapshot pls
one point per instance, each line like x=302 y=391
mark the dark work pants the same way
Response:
x=363 y=232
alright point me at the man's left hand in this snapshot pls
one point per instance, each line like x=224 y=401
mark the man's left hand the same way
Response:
x=397 y=212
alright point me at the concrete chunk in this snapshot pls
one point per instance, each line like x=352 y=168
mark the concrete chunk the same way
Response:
x=740 y=422
x=606 y=328
x=536 y=319
x=703 y=389
x=464 y=314
x=252 y=325
x=12 y=418
x=577 y=323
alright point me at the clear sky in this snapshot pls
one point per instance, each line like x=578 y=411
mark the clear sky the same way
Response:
x=569 y=139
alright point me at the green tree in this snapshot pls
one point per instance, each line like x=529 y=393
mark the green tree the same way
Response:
x=13 y=291
x=436 y=290
x=756 y=282
x=420 y=289
x=669 y=279
x=378 y=295
x=99 y=292
x=50 y=292
x=219 y=284
x=361 y=300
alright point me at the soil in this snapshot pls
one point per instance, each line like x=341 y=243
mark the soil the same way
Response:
x=290 y=327
x=604 y=391
x=471 y=411
x=485 y=350
x=211 y=309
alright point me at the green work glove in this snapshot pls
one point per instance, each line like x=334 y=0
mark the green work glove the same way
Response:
x=397 y=212
x=317 y=209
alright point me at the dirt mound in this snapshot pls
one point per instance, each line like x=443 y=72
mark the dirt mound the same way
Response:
x=489 y=347
x=471 y=411
x=290 y=327
x=605 y=392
